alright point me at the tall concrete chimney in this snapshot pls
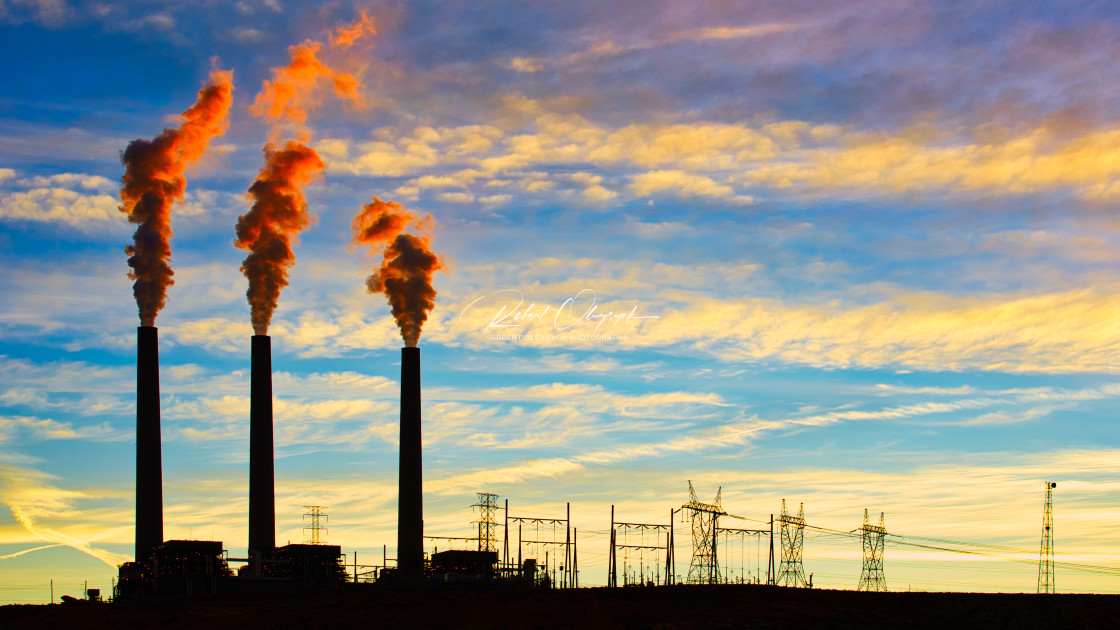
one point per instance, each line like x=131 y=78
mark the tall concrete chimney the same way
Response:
x=149 y=466
x=410 y=502
x=262 y=500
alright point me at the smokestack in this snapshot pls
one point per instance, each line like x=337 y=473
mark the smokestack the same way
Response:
x=149 y=470
x=262 y=508
x=410 y=502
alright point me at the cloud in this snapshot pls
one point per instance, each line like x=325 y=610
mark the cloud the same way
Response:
x=593 y=190
x=456 y=197
x=46 y=429
x=516 y=473
x=247 y=35
x=1063 y=332
x=43 y=12
x=217 y=333
x=496 y=200
x=796 y=158
x=601 y=51
x=378 y=159
x=47 y=512
x=1046 y=245
x=1031 y=162
x=161 y=21
x=61 y=205
x=662 y=229
x=1001 y=417
x=683 y=184
x=732 y=32
x=526 y=64
x=884 y=389
x=69 y=180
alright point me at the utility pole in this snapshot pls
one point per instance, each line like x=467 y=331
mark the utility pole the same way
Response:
x=770 y=559
x=1046 y=553
x=874 y=538
x=612 y=562
x=575 y=556
x=566 y=575
x=670 y=562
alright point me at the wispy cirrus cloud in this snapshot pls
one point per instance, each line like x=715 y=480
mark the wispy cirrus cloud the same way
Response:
x=50 y=513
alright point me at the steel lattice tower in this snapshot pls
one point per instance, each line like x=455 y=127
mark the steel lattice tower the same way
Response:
x=874 y=539
x=1046 y=554
x=315 y=512
x=487 y=525
x=705 y=519
x=790 y=571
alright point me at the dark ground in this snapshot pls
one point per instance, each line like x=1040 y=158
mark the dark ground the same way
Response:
x=672 y=607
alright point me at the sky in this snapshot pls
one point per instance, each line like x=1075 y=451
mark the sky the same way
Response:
x=856 y=256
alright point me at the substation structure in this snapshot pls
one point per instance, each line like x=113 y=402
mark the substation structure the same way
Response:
x=646 y=552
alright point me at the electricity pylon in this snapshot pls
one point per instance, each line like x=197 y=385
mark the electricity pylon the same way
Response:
x=705 y=519
x=315 y=512
x=874 y=538
x=791 y=572
x=487 y=526
x=1046 y=554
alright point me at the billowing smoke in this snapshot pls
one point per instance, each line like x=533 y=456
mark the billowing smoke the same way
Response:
x=405 y=275
x=154 y=182
x=279 y=211
x=278 y=215
x=291 y=92
x=346 y=36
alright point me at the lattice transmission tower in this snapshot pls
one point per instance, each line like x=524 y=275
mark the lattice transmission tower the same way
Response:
x=1046 y=554
x=705 y=520
x=487 y=524
x=790 y=571
x=874 y=538
x=316 y=513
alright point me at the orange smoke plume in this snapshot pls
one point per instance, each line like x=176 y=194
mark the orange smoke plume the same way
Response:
x=278 y=215
x=379 y=223
x=153 y=182
x=290 y=93
x=348 y=35
x=405 y=276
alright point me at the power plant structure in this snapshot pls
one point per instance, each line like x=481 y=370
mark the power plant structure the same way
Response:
x=410 y=499
x=149 y=465
x=197 y=567
x=645 y=552
x=262 y=484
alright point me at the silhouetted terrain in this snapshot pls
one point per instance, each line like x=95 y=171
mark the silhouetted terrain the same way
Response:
x=731 y=606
